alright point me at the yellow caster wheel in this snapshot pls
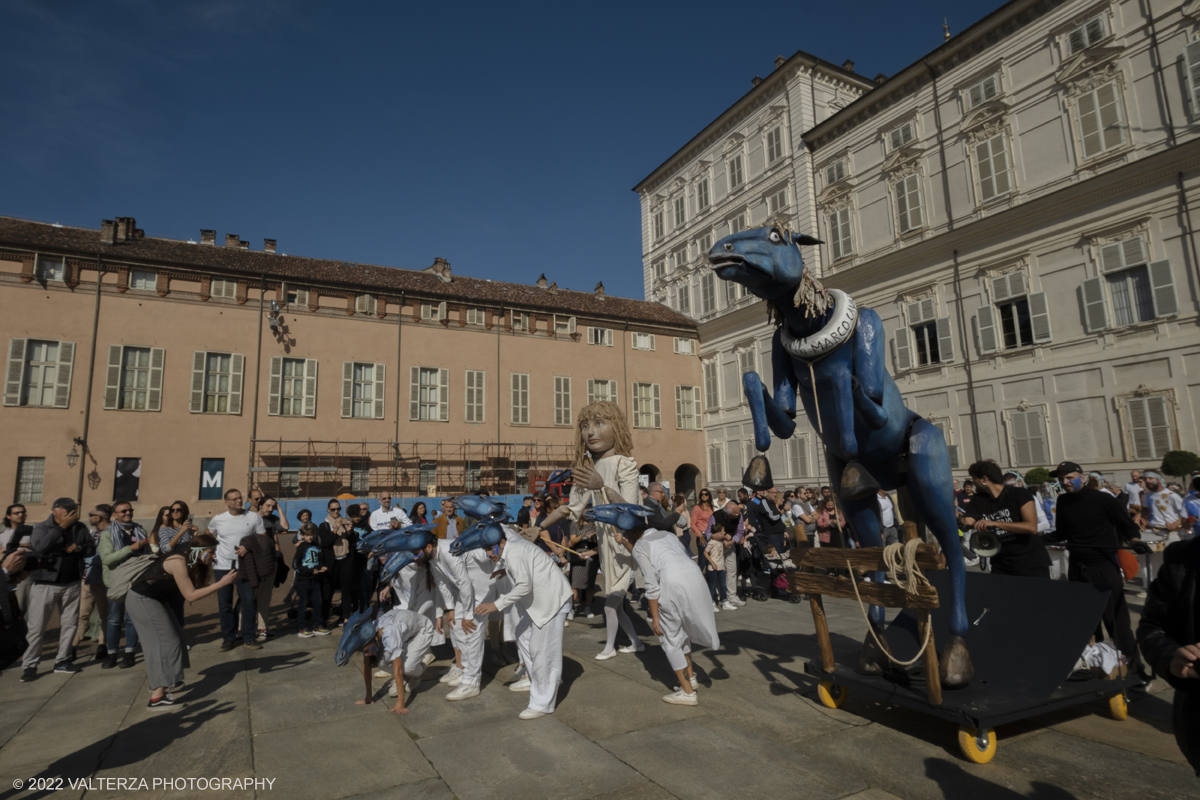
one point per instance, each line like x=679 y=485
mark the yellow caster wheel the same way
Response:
x=1118 y=707
x=831 y=695
x=978 y=746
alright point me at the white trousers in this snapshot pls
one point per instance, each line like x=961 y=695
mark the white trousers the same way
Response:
x=541 y=653
x=471 y=647
x=415 y=650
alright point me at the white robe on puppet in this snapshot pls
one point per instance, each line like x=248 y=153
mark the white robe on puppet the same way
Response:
x=615 y=561
x=685 y=607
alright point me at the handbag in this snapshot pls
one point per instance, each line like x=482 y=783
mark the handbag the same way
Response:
x=281 y=570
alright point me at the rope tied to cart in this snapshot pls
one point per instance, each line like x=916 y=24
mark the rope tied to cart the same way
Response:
x=903 y=571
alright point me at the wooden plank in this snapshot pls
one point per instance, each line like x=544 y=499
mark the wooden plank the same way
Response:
x=863 y=559
x=878 y=594
x=822 y=626
x=933 y=679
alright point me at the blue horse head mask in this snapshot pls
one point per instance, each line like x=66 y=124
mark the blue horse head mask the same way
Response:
x=358 y=631
x=624 y=516
x=761 y=259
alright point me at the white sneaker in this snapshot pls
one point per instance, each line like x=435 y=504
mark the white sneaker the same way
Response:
x=716 y=608
x=566 y=623
x=520 y=673
x=681 y=698
x=605 y=656
x=455 y=681
x=629 y=648
x=695 y=684
x=529 y=713
x=522 y=685
x=737 y=601
x=449 y=676
x=571 y=614
x=379 y=673
x=392 y=689
x=728 y=606
x=463 y=693
x=590 y=613
x=429 y=659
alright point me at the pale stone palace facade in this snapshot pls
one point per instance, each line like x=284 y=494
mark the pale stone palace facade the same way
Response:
x=1016 y=205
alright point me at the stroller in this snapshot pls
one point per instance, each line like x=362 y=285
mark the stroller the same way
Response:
x=768 y=573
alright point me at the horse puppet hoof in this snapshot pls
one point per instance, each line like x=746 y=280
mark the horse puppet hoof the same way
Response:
x=758 y=475
x=955 y=667
x=856 y=482
x=872 y=659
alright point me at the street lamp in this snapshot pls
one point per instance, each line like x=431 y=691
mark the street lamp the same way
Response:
x=73 y=456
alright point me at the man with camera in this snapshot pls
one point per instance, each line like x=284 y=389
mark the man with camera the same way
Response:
x=56 y=565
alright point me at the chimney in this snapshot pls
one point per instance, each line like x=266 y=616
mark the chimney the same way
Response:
x=108 y=232
x=138 y=233
x=779 y=61
x=598 y=293
x=268 y=245
x=880 y=78
x=130 y=231
x=123 y=229
x=441 y=267
x=848 y=65
x=755 y=81
x=541 y=281
x=243 y=245
x=208 y=237
x=554 y=288
x=231 y=240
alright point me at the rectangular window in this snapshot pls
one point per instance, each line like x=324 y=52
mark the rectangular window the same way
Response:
x=563 y=326
x=51 y=269
x=360 y=475
x=1100 y=128
x=218 y=370
x=289 y=476
x=294 y=296
x=796 y=450
x=774 y=144
x=1191 y=53
x=1016 y=323
x=736 y=177
x=520 y=398
x=1029 y=439
x=291 y=390
x=777 y=202
x=433 y=312
x=733 y=292
x=643 y=341
x=475 y=317
x=562 y=400
x=599 y=389
x=702 y=199
x=363 y=396
x=901 y=136
x=474 y=395
x=133 y=380
x=660 y=269
x=746 y=361
x=1086 y=35
x=738 y=223
x=680 y=210
x=981 y=92
x=703 y=245
x=716 y=470
x=41 y=373
x=427 y=474
x=142 y=279
x=685 y=297
x=991 y=159
x=926 y=340
x=908 y=203
x=659 y=229
x=520 y=321
x=135 y=377
x=711 y=397
x=1149 y=427
x=428 y=393
x=839 y=233
x=474 y=475
x=30 y=471
x=835 y=172
x=1132 y=300
x=646 y=404
x=686 y=347
x=687 y=408
x=522 y=477
x=600 y=336
x=226 y=290
x=216 y=382
x=708 y=293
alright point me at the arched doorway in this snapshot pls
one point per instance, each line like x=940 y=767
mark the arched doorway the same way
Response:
x=650 y=471
x=686 y=478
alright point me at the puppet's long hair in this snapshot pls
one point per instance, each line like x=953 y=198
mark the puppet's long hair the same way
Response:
x=610 y=412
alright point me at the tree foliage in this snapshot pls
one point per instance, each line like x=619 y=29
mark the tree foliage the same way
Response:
x=1037 y=476
x=1180 y=463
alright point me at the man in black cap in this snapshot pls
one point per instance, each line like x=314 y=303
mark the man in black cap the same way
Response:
x=1092 y=523
x=56 y=562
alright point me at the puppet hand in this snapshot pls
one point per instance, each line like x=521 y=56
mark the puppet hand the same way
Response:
x=587 y=477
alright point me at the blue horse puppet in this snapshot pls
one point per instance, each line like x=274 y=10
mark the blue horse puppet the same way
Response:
x=399 y=541
x=393 y=563
x=830 y=354
x=357 y=632
x=623 y=516
x=374 y=540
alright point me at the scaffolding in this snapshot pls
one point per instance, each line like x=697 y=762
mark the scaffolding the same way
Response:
x=290 y=469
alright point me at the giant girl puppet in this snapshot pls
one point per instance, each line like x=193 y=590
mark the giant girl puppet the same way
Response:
x=604 y=473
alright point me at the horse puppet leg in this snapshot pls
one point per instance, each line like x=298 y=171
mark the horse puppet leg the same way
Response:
x=768 y=418
x=931 y=493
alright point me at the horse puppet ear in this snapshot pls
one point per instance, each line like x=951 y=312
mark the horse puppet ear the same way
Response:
x=804 y=238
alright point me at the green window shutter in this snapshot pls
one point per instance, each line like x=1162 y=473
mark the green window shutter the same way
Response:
x=62 y=385
x=237 y=366
x=985 y=326
x=1162 y=289
x=14 y=372
x=112 y=377
x=1095 y=312
x=903 y=347
x=377 y=396
x=1039 y=316
x=444 y=395
x=414 y=393
x=197 y=401
x=275 y=386
x=158 y=357
x=347 y=389
x=310 y=387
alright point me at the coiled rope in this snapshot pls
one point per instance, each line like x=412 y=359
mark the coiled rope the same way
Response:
x=903 y=571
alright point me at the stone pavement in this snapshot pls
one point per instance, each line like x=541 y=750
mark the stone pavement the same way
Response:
x=287 y=713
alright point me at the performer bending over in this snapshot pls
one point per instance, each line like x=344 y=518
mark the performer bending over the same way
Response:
x=542 y=595
x=458 y=598
x=404 y=638
x=604 y=473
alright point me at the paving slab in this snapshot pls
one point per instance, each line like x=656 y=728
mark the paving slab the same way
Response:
x=341 y=757
x=1135 y=734
x=432 y=714
x=701 y=774
x=771 y=710
x=521 y=759
x=428 y=789
x=67 y=744
x=17 y=712
x=603 y=704
x=638 y=791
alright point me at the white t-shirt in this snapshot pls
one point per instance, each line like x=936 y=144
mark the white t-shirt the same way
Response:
x=1166 y=508
x=887 y=516
x=230 y=531
x=381 y=519
x=1134 y=492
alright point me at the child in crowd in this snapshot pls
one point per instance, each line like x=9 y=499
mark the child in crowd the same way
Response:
x=309 y=564
x=714 y=554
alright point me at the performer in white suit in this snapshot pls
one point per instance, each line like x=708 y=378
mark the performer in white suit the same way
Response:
x=454 y=584
x=542 y=595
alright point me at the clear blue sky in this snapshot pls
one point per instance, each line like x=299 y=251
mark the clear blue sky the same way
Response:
x=504 y=137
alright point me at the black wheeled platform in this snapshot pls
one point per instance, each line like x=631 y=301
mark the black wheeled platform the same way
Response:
x=1025 y=636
